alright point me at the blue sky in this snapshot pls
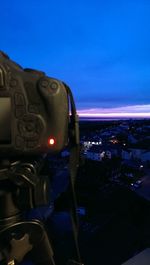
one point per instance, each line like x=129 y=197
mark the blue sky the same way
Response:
x=101 y=49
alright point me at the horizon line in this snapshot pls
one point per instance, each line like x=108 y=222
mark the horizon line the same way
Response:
x=113 y=115
x=131 y=111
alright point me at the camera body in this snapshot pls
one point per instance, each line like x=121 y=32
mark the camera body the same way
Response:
x=34 y=111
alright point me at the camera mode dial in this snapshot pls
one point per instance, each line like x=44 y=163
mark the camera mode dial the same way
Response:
x=30 y=129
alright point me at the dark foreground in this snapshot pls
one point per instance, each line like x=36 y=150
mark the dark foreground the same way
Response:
x=115 y=229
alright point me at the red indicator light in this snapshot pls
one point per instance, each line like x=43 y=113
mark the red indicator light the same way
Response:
x=51 y=141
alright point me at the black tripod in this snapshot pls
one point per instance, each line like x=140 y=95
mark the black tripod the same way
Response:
x=22 y=189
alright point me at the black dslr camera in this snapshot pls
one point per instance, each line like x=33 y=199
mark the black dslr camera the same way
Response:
x=37 y=116
x=33 y=111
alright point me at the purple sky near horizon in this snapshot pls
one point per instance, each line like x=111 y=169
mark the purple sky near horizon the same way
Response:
x=100 y=49
x=135 y=111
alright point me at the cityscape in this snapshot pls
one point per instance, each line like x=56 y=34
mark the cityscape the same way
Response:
x=113 y=191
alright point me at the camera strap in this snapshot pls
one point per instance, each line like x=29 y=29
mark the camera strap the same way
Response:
x=74 y=143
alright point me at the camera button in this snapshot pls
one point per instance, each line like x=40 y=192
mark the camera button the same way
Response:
x=19 y=112
x=54 y=86
x=44 y=82
x=1 y=79
x=13 y=82
x=33 y=109
x=31 y=144
x=19 y=99
x=19 y=142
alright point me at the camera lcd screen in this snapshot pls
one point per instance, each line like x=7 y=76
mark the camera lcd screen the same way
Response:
x=5 y=120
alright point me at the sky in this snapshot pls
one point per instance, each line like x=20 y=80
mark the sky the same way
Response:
x=101 y=49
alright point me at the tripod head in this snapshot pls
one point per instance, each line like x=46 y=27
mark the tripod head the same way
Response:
x=22 y=189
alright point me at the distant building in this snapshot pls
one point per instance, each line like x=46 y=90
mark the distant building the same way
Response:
x=97 y=153
x=145 y=156
x=132 y=139
x=92 y=142
x=126 y=154
x=136 y=154
x=88 y=143
x=124 y=126
x=115 y=150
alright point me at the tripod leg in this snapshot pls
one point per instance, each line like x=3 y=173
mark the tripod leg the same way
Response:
x=29 y=240
x=41 y=253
